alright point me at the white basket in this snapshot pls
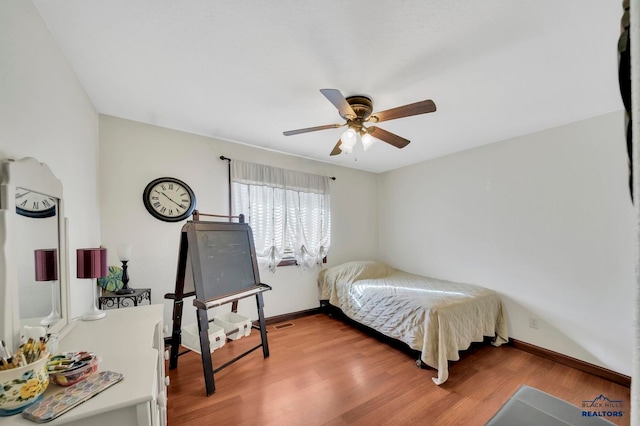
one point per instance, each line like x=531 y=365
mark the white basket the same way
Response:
x=230 y=321
x=191 y=338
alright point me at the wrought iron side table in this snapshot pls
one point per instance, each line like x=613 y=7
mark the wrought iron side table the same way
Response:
x=110 y=299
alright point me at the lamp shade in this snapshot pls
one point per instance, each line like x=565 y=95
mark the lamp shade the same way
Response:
x=367 y=141
x=92 y=262
x=349 y=138
x=124 y=252
x=46 y=261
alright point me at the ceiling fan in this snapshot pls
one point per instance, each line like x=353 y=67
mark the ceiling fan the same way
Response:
x=357 y=111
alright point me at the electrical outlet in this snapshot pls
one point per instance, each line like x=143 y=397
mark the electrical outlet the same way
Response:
x=533 y=322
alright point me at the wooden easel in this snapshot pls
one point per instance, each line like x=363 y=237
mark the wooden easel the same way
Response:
x=190 y=281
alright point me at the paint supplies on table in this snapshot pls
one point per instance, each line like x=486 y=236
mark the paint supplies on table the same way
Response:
x=69 y=368
x=27 y=353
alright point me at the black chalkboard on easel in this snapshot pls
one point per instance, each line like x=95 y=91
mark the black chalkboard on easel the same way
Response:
x=216 y=264
x=223 y=258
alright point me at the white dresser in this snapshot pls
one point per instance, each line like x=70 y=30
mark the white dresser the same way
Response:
x=128 y=341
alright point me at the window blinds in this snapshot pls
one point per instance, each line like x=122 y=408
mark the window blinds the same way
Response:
x=287 y=211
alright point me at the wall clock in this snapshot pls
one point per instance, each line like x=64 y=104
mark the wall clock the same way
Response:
x=34 y=204
x=169 y=199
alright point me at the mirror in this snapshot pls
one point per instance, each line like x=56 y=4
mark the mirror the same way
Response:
x=31 y=218
x=37 y=228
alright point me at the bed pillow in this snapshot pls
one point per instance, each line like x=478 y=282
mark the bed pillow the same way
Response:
x=353 y=271
x=333 y=280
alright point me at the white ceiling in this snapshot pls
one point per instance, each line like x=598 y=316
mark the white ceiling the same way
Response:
x=247 y=70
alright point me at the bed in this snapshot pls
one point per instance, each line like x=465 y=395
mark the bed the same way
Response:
x=438 y=318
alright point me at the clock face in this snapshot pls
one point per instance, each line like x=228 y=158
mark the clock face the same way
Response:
x=34 y=204
x=169 y=199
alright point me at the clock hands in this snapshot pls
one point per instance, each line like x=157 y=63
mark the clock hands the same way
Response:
x=171 y=199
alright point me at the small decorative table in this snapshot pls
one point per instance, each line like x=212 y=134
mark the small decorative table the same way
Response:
x=110 y=299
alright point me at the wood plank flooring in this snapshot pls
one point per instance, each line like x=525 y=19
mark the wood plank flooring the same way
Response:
x=322 y=371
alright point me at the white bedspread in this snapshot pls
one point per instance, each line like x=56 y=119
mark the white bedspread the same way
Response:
x=437 y=317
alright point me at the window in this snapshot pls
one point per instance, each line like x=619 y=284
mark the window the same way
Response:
x=289 y=212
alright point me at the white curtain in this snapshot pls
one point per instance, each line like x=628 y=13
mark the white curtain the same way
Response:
x=285 y=209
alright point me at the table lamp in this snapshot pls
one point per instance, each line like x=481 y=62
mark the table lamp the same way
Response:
x=46 y=261
x=92 y=263
x=124 y=254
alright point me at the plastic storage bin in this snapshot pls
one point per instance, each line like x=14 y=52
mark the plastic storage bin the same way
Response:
x=230 y=321
x=191 y=338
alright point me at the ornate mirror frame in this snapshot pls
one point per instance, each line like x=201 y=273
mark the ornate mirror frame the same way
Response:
x=30 y=174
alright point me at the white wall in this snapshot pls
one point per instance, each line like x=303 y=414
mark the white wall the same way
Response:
x=545 y=219
x=45 y=113
x=132 y=154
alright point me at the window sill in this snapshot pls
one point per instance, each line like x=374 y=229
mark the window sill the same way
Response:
x=287 y=262
x=292 y=262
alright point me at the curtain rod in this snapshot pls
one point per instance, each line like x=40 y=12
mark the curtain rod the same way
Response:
x=222 y=157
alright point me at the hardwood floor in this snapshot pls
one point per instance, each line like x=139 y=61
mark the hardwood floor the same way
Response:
x=322 y=371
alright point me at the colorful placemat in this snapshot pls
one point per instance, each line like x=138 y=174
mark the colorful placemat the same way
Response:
x=59 y=403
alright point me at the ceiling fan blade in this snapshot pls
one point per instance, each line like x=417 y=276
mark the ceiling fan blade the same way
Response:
x=388 y=137
x=311 y=129
x=339 y=101
x=417 y=108
x=336 y=149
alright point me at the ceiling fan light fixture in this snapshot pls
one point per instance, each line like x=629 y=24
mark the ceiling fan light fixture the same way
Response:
x=367 y=141
x=349 y=139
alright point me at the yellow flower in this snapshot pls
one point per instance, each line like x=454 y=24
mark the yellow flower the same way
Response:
x=30 y=389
